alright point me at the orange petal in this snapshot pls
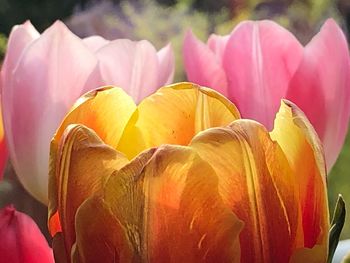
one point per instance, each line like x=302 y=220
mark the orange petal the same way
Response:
x=301 y=145
x=169 y=210
x=100 y=236
x=173 y=115
x=84 y=163
x=256 y=182
x=106 y=110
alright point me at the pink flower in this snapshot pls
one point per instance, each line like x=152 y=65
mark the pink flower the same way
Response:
x=260 y=63
x=21 y=239
x=43 y=75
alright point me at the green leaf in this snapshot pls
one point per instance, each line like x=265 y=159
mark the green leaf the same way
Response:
x=336 y=227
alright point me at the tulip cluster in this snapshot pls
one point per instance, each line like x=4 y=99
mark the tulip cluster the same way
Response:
x=141 y=171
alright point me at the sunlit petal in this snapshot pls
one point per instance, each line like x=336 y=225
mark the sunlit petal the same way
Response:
x=83 y=165
x=173 y=115
x=256 y=182
x=302 y=147
x=168 y=209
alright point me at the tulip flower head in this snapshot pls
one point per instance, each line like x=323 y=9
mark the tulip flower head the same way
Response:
x=181 y=178
x=21 y=239
x=260 y=63
x=44 y=74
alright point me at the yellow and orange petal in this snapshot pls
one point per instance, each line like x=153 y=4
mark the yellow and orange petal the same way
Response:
x=173 y=115
x=302 y=147
x=106 y=110
x=164 y=207
x=274 y=182
x=84 y=164
x=257 y=183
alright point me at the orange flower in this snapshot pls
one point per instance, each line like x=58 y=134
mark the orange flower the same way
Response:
x=157 y=183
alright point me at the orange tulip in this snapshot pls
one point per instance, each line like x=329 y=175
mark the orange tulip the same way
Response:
x=180 y=178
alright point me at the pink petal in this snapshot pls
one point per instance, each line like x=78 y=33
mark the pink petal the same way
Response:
x=321 y=87
x=217 y=44
x=49 y=77
x=94 y=43
x=130 y=65
x=21 y=239
x=20 y=37
x=202 y=66
x=166 y=65
x=259 y=61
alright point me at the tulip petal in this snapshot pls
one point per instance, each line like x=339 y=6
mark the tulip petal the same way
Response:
x=259 y=60
x=217 y=44
x=131 y=65
x=257 y=183
x=94 y=221
x=106 y=110
x=20 y=37
x=94 y=43
x=83 y=165
x=61 y=63
x=169 y=210
x=202 y=66
x=301 y=145
x=21 y=239
x=324 y=76
x=173 y=115
x=166 y=65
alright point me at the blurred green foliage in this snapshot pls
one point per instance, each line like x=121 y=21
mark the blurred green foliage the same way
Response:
x=339 y=182
x=3 y=43
x=302 y=17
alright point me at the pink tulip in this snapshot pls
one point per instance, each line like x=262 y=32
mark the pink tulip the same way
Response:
x=21 y=239
x=260 y=63
x=43 y=75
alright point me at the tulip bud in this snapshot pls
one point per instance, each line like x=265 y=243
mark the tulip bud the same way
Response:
x=21 y=239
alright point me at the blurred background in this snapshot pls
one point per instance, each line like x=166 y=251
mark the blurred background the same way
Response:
x=163 y=21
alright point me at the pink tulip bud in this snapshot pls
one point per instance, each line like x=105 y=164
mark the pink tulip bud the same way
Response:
x=260 y=63
x=21 y=239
